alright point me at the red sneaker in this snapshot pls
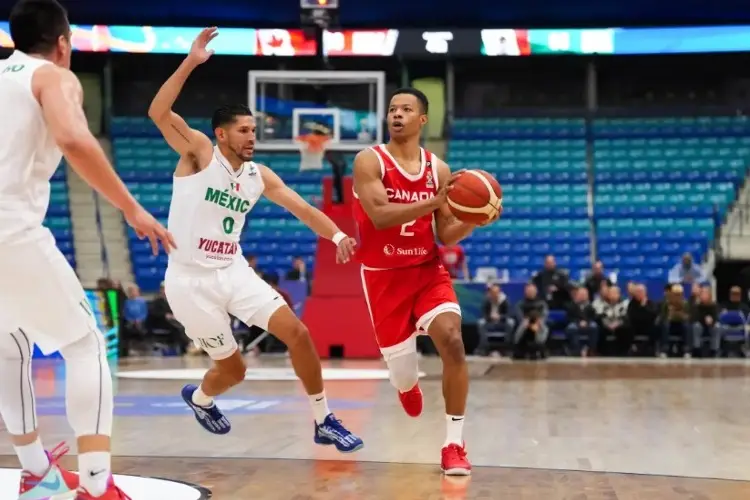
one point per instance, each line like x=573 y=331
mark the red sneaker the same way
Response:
x=454 y=461
x=55 y=480
x=411 y=400
x=112 y=493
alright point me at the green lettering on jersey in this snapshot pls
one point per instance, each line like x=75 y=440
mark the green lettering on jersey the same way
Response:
x=212 y=195
x=223 y=197
x=226 y=200
x=14 y=68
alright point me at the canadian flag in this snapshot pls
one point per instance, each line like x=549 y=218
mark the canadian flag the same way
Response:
x=276 y=42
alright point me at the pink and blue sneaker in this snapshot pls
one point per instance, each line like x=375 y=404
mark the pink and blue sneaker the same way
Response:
x=55 y=481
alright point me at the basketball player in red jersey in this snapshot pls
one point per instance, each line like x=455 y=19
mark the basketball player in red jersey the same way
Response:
x=400 y=209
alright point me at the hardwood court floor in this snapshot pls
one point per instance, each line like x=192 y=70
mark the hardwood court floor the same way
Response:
x=563 y=429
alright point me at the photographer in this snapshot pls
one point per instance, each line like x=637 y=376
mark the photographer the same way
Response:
x=531 y=334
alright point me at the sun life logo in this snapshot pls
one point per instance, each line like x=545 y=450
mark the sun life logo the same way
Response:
x=389 y=249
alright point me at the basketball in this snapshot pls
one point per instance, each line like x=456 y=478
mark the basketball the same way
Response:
x=476 y=197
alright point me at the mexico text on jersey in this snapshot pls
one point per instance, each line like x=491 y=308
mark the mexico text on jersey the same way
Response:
x=409 y=244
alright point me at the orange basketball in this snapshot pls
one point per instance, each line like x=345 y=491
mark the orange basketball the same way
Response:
x=476 y=197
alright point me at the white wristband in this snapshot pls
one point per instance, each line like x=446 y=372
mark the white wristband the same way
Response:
x=338 y=238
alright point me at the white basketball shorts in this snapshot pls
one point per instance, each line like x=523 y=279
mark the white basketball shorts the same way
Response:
x=202 y=300
x=40 y=293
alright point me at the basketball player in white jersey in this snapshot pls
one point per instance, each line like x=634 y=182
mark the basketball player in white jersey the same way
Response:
x=41 y=300
x=207 y=279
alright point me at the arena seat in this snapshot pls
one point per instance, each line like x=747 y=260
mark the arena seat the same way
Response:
x=146 y=163
x=58 y=215
x=540 y=163
x=662 y=186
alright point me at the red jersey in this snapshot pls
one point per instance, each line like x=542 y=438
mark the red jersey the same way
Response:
x=409 y=244
x=452 y=258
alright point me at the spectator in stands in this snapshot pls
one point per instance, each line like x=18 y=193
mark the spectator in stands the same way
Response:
x=454 y=260
x=675 y=317
x=134 y=316
x=600 y=301
x=553 y=284
x=687 y=271
x=496 y=317
x=595 y=279
x=642 y=314
x=161 y=321
x=298 y=272
x=705 y=316
x=582 y=319
x=735 y=304
x=613 y=323
x=530 y=337
x=695 y=294
x=252 y=261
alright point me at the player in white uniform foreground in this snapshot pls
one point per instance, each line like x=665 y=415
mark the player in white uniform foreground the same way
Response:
x=207 y=278
x=41 y=300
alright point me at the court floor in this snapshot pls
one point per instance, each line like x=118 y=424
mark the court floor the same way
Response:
x=560 y=429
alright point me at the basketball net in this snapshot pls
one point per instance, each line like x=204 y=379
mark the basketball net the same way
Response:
x=312 y=147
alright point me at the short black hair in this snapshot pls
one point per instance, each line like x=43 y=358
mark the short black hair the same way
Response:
x=416 y=93
x=271 y=278
x=226 y=114
x=37 y=25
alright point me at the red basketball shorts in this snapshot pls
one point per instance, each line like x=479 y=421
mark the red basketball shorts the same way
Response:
x=403 y=303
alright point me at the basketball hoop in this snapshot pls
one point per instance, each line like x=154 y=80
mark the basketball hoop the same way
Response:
x=312 y=147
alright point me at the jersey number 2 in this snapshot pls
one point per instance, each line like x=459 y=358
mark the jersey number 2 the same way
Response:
x=404 y=228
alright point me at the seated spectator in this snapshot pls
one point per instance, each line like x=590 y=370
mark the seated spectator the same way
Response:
x=642 y=314
x=134 y=314
x=704 y=316
x=600 y=300
x=496 y=317
x=162 y=322
x=595 y=279
x=531 y=334
x=613 y=323
x=630 y=289
x=252 y=261
x=675 y=317
x=298 y=272
x=454 y=260
x=582 y=319
x=695 y=294
x=687 y=271
x=553 y=284
x=734 y=304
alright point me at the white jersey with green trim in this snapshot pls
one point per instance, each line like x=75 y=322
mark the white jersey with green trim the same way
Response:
x=28 y=153
x=208 y=210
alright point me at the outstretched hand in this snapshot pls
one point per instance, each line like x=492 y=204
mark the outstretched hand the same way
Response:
x=199 y=51
x=345 y=250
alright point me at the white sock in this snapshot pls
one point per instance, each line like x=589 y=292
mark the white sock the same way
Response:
x=94 y=469
x=33 y=458
x=200 y=398
x=454 y=428
x=319 y=405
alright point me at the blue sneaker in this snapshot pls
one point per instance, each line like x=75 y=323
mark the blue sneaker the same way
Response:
x=332 y=432
x=210 y=417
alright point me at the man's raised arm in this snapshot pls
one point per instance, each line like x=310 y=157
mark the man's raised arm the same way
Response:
x=187 y=142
